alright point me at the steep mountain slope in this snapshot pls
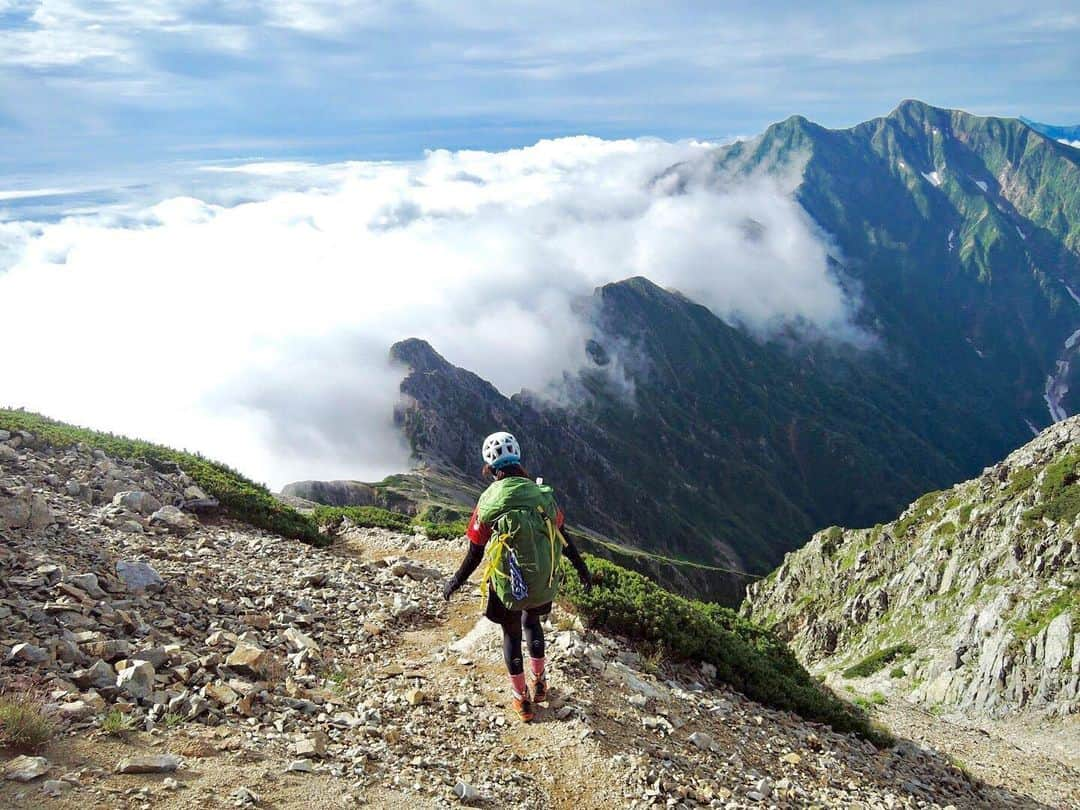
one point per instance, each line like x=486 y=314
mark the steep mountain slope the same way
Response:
x=217 y=664
x=963 y=234
x=960 y=237
x=714 y=415
x=968 y=601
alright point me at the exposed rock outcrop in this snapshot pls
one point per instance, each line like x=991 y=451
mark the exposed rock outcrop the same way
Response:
x=982 y=580
x=332 y=493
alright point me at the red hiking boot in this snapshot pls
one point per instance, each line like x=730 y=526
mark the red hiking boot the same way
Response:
x=524 y=708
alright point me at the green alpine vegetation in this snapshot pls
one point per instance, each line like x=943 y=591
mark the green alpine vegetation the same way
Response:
x=879 y=660
x=746 y=657
x=239 y=496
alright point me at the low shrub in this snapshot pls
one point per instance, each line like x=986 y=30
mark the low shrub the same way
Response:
x=878 y=660
x=748 y=658
x=241 y=497
x=444 y=531
x=115 y=723
x=1059 y=491
x=368 y=517
x=24 y=726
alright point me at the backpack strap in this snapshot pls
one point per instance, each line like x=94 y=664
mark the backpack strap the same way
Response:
x=554 y=532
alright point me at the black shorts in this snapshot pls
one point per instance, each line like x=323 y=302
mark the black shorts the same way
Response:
x=499 y=613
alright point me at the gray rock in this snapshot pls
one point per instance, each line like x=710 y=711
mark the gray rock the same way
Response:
x=174 y=520
x=54 y=788
x=466 y=793
x=1058 y=641
x=702 y=740
x=155 y=763
x=137 y=501
x=25 y=769
x=27 y=653
x=137 y=680
x=139 y=576
x=88 y=584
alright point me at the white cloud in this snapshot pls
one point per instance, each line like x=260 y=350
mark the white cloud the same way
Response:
x=258 y=331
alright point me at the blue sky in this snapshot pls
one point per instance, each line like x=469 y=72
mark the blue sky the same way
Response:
x=88 y=85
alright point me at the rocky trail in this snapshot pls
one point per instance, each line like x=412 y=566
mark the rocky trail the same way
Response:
x=255 y=671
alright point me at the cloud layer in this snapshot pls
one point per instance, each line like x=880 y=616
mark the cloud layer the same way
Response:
x=252 y=321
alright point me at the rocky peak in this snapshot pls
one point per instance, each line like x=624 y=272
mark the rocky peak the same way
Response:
x=418 y=355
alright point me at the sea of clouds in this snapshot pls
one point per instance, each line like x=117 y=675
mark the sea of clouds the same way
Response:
x=246 y=310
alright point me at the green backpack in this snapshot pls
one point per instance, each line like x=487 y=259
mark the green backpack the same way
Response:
x=521 y=561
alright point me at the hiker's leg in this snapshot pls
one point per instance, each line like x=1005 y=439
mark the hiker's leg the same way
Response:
x=512 y=653
x=534 y=639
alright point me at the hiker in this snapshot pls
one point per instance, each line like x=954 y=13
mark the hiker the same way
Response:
x=516 y=529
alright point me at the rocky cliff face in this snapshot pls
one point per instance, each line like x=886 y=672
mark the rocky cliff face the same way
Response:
x=332 y=493
x=970 y=600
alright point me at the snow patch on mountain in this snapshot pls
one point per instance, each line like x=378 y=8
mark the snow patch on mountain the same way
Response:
x=934 y=178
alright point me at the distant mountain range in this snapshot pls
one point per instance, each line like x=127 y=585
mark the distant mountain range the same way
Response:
x=961 y=235
x=1055 y=132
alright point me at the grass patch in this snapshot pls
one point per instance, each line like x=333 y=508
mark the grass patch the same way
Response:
x=116 y=723
x=875 y=699
x=917 y=513
x=1037 y=619
x=1020 y=481
x=897 y=672
x=879 y=659
x=965 y=513
x=652 y=662
x=172 y=720
x=748 y=658
x=1059 y=491
x=367 y=517
x=240 y=497
x=24 y=726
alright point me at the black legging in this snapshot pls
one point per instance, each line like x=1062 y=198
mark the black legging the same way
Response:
x=534 y=637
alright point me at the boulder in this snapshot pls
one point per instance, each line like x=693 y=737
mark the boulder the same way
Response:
x=137 y=501
x=136 y=680
x=139 y=576
x=155 y=763
x=249 y=659
x=27 y=653
x=25 y=769
x=299 y=641
x=174 y=520
x=24 y=509
x=88 y=583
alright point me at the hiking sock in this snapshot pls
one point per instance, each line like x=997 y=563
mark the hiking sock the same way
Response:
x=537 y=666
x=517 y=683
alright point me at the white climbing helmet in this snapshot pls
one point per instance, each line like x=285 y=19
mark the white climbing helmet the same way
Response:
x=501 y=449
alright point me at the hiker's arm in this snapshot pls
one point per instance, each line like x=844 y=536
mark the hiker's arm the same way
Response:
x=478 y=534
x=579 y=564
x=468 y=565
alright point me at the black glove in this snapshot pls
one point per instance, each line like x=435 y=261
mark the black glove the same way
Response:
x=449 y=588
x=586 y=579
